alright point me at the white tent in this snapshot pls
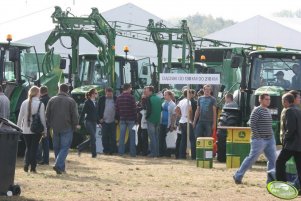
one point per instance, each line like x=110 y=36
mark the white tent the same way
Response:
x=260 y=30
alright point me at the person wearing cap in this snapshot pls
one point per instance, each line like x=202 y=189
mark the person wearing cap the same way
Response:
x=296 y=79
x=281 y=82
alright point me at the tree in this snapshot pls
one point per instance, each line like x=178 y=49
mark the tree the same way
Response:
x=201 y=25
x=288 y=13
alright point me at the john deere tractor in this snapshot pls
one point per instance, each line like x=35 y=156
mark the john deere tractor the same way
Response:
x=247 y=73
x=21 y=67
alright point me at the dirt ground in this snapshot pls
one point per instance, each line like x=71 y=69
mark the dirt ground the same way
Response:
x=141 y=178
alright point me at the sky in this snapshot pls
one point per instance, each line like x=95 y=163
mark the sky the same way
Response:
x=23 y=18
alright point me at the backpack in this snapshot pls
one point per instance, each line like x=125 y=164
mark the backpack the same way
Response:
x=36 y=125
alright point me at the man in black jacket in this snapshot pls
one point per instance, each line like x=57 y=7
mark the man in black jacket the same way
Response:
x=43 y=152
x=107 y=116
x=291 y=138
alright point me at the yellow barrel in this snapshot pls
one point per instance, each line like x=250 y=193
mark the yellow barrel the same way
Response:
x=238 y=145
x=204 y=152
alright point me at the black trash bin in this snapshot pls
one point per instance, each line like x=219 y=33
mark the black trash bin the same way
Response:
x=9 y=136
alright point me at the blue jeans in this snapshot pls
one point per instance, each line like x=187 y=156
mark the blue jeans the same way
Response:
x=124 y=124
x=183 y=143
x=91 y=128
x=258 y=146
x=203 y=129
x=43 y=150
x=153 y=133
x=109 y=138
x=61 y=144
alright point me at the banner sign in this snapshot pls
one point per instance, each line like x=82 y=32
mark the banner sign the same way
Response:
x=173 y=78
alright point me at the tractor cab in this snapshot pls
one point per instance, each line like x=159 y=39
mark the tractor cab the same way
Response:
x=275 y=69
x=93 y=73
x=19 y=63
x=19 y=69
x=274 y=73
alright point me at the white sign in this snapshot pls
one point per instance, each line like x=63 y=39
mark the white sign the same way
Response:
x=173 y=78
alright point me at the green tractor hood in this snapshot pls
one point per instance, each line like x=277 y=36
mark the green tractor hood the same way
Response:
x=271 y=90
x=86 y=88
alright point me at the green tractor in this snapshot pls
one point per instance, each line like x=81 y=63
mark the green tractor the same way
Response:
x=22 y=67
x=93 y=73
x=218 y=60
x=262 y=77
x=247 y=74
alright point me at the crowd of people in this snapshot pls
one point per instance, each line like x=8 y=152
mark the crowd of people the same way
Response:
x=156 y=116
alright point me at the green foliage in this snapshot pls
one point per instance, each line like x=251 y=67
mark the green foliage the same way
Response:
x=288 y=13
x=202 y=25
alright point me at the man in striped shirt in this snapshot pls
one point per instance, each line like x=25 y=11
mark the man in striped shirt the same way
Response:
x=262 y=141
x=126 y=111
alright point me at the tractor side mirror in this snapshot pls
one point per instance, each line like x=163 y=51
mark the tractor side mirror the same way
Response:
x=63 y=63
x=235 y=61
x=14 y=54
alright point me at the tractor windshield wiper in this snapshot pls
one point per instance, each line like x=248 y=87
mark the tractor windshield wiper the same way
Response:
x=286 y=64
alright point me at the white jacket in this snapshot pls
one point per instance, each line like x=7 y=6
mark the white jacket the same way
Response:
x=22 y=119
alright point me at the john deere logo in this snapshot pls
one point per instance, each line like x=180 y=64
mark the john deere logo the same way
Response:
x=282 y=190
x=198 y=143
x=242 y=134
x=210 y=142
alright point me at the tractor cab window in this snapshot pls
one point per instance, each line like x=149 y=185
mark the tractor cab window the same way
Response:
x=92 y=72
x=99 y=75
x=145 y=72
x=122 y=72
x=9 y=67
x=9 y=74
x=29 y=65
x=280 y=72
x=127 y=73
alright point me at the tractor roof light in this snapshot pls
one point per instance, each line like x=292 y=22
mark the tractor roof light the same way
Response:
x=126 y=49
x=203 y=57
x=9 y=37
x=278 y=48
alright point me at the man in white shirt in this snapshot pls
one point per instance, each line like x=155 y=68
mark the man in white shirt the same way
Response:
x=184 y=110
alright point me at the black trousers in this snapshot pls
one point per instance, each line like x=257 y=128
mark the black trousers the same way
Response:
x=91 y=128
x=109 y=138
x=162 y=140
x=283 y=157
x=32 y=144
x=142 y=147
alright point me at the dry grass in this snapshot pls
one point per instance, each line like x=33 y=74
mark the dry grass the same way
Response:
x=125 y=178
